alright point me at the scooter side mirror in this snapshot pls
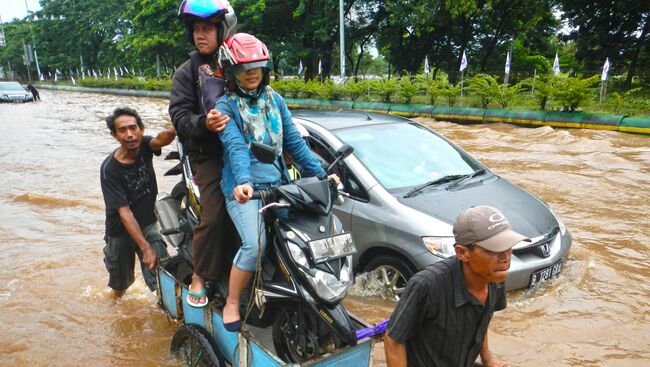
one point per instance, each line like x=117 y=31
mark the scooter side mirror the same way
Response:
x=263 y=152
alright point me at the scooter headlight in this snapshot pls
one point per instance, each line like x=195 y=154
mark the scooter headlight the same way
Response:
x=298 y=255
x=327 y=286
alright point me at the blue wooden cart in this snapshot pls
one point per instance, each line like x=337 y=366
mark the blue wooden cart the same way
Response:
x=203 y=341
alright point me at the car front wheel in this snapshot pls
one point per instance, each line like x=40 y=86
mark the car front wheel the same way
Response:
x=388 y=274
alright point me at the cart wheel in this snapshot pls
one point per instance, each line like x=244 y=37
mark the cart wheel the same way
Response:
x=318 y=340
x=195 y=346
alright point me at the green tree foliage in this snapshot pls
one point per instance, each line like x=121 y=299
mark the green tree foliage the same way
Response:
x=155 y=33
x=11 y=56
x=615 y=29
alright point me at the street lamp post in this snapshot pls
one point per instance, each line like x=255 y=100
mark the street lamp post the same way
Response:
x=342 y=39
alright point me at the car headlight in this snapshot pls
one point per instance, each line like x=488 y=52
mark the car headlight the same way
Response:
x=560 y=223
x=327 y=286
x=440 y=246
x=5 y=97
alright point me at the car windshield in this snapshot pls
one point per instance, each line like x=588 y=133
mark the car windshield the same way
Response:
x=11 y=87
x=402 y=155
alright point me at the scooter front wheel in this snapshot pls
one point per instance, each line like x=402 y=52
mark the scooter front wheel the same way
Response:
x=299 y=336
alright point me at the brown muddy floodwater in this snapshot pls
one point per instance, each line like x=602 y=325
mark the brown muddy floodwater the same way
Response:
x=55 y=308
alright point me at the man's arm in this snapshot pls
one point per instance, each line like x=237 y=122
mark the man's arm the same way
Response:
x=487 y=358
x=149 y=256
x=163 y=138
x=395 y=352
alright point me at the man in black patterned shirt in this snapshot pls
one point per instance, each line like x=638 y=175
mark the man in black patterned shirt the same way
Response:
x=443 y=315
x=129 y=187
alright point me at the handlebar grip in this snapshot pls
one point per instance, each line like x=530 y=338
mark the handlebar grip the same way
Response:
x=257 y=194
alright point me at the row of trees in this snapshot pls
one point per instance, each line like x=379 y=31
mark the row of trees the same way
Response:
x=141 y=34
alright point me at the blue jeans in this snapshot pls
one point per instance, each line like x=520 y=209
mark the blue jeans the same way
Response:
x=250 y=226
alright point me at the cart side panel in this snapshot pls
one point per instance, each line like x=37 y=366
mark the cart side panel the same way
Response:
x=262 y=357
x=191 y=314
x=228 y=346
x=168 y=293
x=356 y=356
x=226 y=341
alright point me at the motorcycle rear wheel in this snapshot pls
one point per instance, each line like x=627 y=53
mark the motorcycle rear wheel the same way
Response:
x=319 y=339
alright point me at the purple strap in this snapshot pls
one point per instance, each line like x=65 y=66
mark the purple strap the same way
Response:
x=372 y=331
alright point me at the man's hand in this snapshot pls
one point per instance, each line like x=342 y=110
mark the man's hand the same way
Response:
x=215 y=121
x=150 y=257
x=243 y=193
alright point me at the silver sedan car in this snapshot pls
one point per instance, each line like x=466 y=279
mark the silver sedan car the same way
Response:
x=407 y=184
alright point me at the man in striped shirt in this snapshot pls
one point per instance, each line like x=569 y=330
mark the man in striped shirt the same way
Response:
x=442 y=317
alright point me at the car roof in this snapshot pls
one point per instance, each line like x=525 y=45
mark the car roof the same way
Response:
x=341 y=119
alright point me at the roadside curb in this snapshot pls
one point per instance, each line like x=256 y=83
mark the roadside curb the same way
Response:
x=462 y=115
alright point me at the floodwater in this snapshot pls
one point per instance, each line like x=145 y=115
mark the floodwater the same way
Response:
x=55 y=308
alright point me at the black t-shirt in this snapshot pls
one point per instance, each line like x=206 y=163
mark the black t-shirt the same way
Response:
x=440 y=322
x=129 y=184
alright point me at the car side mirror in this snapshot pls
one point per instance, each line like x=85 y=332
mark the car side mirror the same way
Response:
x=263 y=152
x=343 y=152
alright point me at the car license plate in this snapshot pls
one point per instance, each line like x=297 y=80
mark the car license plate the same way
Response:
x=332 y=247
x=545 y=274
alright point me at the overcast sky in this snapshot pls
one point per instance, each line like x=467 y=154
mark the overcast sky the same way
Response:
x=10 y=9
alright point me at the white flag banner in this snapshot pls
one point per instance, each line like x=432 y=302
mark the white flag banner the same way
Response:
x=605 y=70
x=300 y=68
x=74 y=82
x=556 y=65
x=132 y=71
x=115 y=72
x=42 y=77
x=320 y=68
x=508 y=63
x=426 y=66
x=463 y=62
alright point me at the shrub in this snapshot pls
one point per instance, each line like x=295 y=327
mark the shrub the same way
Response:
x=571 y=92
x=385 y=88
x=450 y=92
x=406 y=88
x=541 y=87
x=354 y=89
x=485 y=87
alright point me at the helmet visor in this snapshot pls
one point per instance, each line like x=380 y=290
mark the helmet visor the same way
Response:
x=204 y=8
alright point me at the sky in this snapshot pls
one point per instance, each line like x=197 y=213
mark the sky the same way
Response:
x=10 y=9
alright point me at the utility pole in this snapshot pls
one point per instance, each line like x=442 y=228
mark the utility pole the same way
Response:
x=342 y=39
x=31 y=32
x=76 y=27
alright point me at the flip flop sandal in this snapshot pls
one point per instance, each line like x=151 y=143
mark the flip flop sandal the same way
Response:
x=197 y=295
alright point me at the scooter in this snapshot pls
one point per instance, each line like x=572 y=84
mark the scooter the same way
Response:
x=307 y=270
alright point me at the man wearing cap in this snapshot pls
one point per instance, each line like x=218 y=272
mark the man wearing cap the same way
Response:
x=442 y=317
